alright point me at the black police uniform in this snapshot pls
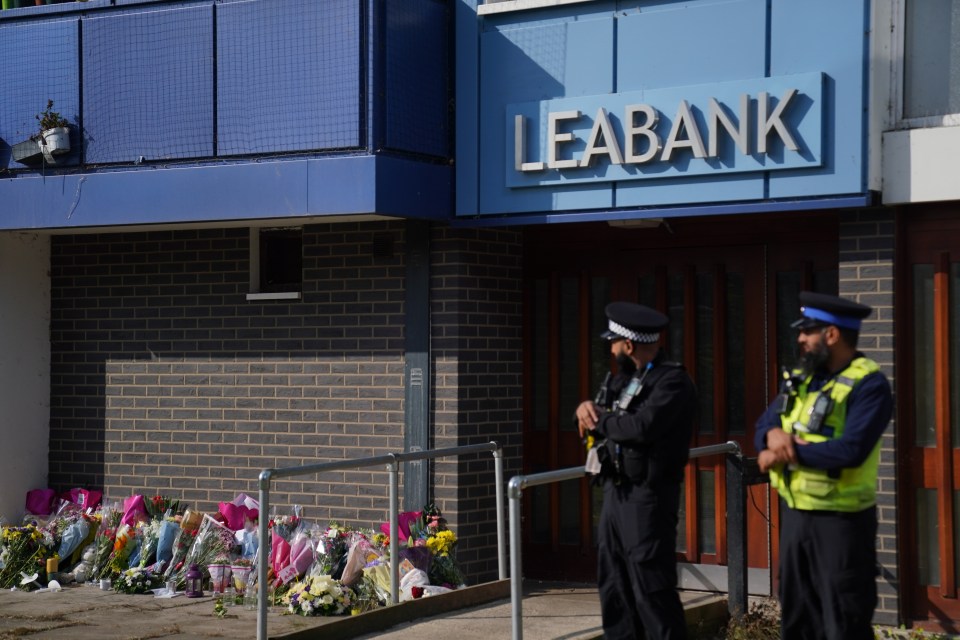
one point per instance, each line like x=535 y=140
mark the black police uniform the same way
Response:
x=648 y=438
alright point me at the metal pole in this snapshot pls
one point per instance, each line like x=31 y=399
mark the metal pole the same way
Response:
x=262 y=555
x=394 y=469
x=516 y=573
x=501 y=534
x=736 y=537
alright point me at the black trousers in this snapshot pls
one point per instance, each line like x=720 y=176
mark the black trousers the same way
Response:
x=637 y=564
x=828 y=573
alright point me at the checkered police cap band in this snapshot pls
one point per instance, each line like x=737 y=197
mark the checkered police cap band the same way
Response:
x=629 y=334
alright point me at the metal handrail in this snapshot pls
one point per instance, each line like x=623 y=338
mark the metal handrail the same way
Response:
x=392 y=461
x=516 y=486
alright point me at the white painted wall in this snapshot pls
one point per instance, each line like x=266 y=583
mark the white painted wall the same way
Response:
x=921 y=165
x=24 y=368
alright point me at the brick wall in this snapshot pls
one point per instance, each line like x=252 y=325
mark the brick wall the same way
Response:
x=867 y=275
x=477 y=351
x=166 y=379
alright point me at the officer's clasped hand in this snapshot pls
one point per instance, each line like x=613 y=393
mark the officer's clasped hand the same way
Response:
x=587 y=417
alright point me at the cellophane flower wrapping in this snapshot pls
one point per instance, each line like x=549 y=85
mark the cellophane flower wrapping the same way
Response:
x=136 y=580
x=284 y=528
x=332 y=547
x=23 y=549
x=212 y=539
x=319 y=596
x=104 y=540
x=169 y=528
x=363 y=553
x=149 y=535
x=72 y=530
x=134 y=510
x=431 y=531
x=124 y=544
x=376 y=578
x=184 y=536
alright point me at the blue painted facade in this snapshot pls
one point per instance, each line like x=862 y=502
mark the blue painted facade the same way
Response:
x=576 y=59
x=211 y=110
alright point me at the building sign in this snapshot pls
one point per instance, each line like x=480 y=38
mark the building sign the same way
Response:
x=727 y=127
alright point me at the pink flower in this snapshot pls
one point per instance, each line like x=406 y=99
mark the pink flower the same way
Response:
x=420 y=542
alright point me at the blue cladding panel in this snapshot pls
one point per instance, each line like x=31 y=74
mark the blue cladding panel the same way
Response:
x=228 y=191
x=288 y=76
x=688 y=43
x=148 y=85
x=42 y=65
x=536 y=61
x=467 y=96
x=802 y=40
x=662 y=45
x=417 y=77
x=684 y=43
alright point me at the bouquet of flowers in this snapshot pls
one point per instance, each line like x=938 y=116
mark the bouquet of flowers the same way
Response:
x=319 y=596
x=123 y=545
x=283 y=530
x=23 y=550
x=103 y=542
x=212 y=540
x=332 y=547
x=72 y=529
x=136 y=580
x=158 y=506
x=149 y=535
x=431 y=530
x=286 y=525
x=184 y=537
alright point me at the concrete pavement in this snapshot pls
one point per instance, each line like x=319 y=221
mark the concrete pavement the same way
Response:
x=550 y=611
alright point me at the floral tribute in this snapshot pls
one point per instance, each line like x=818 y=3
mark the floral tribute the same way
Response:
x=429 y=529
x=212 y=540
x=141 y=543
x=136 y=580
x=24 y=552
x=319 y=596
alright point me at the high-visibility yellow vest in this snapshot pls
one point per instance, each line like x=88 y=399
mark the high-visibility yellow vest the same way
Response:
x=805 y=488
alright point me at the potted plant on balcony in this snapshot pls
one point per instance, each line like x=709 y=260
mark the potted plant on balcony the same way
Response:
x=53 y=139
x=54 y=131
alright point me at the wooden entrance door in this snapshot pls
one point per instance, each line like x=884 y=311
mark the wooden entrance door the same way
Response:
x=729 y=305
x=928 y=410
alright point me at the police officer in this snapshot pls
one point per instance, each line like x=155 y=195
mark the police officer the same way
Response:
x=645 y=436
x=820 y=441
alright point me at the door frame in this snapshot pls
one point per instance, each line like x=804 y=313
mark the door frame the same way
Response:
x=580 y=248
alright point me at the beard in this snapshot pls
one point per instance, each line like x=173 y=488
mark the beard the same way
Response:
x=815 y=359
x=625 y=364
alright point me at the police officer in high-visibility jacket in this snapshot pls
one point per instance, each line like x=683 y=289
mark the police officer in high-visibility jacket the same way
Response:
x=820 y=442
x=643 y=437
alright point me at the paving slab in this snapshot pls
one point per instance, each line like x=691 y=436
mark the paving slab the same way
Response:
x=551 y=611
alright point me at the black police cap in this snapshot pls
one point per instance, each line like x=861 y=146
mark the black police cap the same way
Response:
x=634 y=322
x=820 y=309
